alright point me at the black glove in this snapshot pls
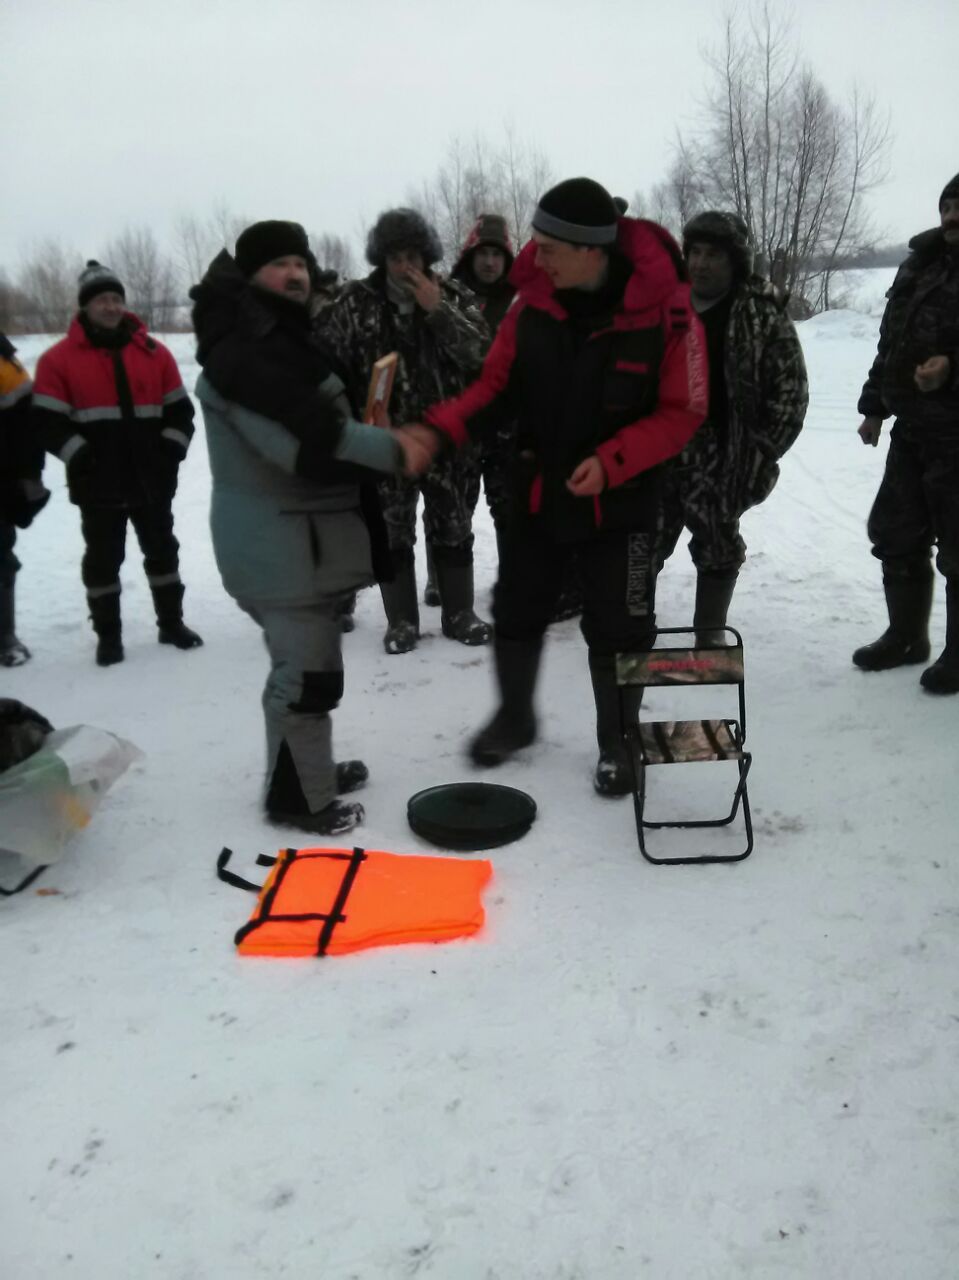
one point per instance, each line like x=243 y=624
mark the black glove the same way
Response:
x=21 y=501
x=82 y=464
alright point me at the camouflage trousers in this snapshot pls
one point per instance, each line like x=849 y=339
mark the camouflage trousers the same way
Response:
x=918 y=501
x=448 y=507
x=692 y=498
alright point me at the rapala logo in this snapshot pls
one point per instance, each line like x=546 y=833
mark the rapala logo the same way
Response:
x=681 y=664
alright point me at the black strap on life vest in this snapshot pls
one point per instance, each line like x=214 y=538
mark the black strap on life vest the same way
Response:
x=230 y=877
x=336 y=911
x=24 y=883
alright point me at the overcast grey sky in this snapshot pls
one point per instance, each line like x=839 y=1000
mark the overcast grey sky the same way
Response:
x=125 y=112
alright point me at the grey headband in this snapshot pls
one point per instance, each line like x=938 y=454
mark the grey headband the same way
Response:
x=572 y=231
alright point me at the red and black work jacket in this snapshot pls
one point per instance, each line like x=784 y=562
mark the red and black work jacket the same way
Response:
x=117 y=416
x=629 y=384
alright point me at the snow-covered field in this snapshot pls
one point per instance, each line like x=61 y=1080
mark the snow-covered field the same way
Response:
x=686 y=1073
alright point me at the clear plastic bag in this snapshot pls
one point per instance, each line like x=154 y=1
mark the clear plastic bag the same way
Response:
x=47 y=798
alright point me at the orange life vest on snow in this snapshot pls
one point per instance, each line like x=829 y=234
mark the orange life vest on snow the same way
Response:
x=319 y=902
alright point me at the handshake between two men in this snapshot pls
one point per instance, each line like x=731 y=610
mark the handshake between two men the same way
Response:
x=421 y=444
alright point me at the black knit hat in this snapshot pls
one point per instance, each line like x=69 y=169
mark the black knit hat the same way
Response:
x=264 y=241
x=96 y=278
x=398 y=229
x=726 y=230
x=579 y=211
x=950 y=191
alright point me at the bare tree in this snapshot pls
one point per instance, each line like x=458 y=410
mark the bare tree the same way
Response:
x=199 y=240
x=776 y=148
x=148 y=277
x=334 y=254
x=477 y=177
x=47 y=281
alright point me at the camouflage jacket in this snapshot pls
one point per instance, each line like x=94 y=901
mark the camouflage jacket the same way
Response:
x=921 y=320
x=440 y=351
x=768 y=393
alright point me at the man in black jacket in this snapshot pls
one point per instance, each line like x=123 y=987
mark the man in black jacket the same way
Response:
x=295 y=518
x=915 y=377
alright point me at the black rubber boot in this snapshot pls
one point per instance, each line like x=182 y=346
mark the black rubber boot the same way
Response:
x=459 y=621
x=105 y=616
x=168 y=602
x=514 y=724
x=614 y=774
x=286 y=804
x=402 y=611
x=431 y=596
x=714 y=593
x=943 y=675
x=906 y=639
x=13 y=653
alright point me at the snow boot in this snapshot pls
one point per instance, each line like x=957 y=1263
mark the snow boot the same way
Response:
x=614 y=773
x=168 y=602
x=714 y=593
x=105 y=616
x=286 y=805
x=402 y=611
x=351 y=775
x=943 y=675
x=13 y=652
x=906 y=640
x=514 y=724
x=431 y=596
x=459 y=622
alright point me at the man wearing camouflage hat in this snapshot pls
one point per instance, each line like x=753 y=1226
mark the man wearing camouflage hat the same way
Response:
x=758 y=395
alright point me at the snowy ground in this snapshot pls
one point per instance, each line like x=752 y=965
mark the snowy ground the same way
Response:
x=689 y=1073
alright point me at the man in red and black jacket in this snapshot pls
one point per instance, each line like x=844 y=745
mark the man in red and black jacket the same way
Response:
x=602 y=364
x=112 y=407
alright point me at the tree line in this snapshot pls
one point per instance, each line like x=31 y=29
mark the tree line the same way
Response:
x=769 y=141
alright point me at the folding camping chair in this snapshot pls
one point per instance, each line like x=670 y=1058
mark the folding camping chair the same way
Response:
x=686 y=741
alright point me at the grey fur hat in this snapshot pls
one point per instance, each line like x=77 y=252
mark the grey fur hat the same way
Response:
x=402 y=229
x=726 y=230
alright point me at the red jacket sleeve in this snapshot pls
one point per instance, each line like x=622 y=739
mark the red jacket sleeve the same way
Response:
x=681 y=409
x=452 y=416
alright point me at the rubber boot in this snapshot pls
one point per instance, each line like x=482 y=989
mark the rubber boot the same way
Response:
x=168 y=602
x=906 y=640
x=13 y=652
x=286 y=804
x=614 y=774
x=514 y=724
x=714 y=593
x=943 y=675
x=105 y=616
x=402 y=611
x=459 y=621
x=431 y=596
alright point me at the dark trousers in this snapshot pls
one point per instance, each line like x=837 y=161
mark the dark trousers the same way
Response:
x=918 y=501
x=105 y=533
x=618 y=573
x=9 y=564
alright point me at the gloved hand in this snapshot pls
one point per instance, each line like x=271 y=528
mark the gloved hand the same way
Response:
x=22 y=501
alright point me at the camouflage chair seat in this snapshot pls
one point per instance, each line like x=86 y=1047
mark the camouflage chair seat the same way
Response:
x=662 y=742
